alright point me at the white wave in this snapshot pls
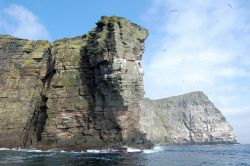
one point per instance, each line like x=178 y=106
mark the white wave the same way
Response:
x=27 y=150
x=58 y=150
x=21 y=150
x=102 y=151
x=132 y=150
x=1 y=149
x=155 y=149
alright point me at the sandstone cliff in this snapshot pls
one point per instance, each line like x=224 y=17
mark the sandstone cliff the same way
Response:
x=185 y=119
x=74 y=93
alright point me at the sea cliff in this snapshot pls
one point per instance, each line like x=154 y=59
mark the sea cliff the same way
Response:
x=87 y=92
x=186 y=119
x=75 y=93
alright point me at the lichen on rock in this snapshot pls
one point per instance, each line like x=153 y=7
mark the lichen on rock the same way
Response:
x=21 y=66
x=76 y=92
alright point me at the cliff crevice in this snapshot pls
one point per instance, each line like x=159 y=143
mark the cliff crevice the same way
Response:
x=80 y=92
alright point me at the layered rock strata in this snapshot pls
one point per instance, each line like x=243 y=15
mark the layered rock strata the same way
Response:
x=187 y=119
x=77 y=92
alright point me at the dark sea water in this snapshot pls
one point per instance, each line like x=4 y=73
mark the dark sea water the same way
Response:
x=214 y=155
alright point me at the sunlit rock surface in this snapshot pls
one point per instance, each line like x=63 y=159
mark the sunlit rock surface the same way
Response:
x=186 y=119
x=74 y=93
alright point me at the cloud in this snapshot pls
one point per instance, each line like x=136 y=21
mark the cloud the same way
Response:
x=18 y=21
x=204 y=45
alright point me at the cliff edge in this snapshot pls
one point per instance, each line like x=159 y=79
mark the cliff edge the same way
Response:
x=186 y=119
x=75 y=93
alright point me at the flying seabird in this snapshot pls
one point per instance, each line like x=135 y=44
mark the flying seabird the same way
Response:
x=171 y=11
x=229 y=5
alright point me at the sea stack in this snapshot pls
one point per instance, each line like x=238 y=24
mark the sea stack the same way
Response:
x=75 y=93
x=186 y=119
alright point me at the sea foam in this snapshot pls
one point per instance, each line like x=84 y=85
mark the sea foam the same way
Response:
x=155 y=149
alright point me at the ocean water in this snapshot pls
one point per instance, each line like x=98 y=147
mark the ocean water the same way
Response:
x=213 y=155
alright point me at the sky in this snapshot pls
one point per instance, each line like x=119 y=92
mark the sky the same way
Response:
x=193 y=45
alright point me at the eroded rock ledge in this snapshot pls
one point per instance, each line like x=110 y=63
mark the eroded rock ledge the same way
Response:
x=186 y=119
x=75 y=93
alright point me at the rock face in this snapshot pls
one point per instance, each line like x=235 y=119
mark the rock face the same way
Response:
x=187 y=119
x=74 y=93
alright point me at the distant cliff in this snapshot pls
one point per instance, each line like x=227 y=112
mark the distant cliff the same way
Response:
x=187 y=119
x=75 y=93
